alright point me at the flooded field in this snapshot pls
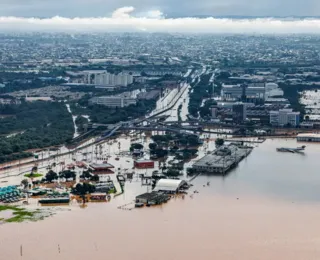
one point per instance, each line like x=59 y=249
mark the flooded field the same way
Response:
x=266 y=208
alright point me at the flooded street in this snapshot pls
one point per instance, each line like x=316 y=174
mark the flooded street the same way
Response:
x=266 y=208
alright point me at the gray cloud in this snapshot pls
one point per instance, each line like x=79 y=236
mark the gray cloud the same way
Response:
x=128 y=19
x=92 y=8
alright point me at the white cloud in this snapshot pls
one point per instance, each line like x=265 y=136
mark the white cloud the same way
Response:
x=156 y=14
x=123 y=12
x=154 y=21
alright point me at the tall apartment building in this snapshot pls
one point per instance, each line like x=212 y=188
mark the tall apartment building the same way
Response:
x=284 y=117
x=239 y=112
x=104 y=78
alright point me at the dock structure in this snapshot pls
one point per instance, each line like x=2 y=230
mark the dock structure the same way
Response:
x=223 y=159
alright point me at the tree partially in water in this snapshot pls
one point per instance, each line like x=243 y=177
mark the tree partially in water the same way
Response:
x=219 y=142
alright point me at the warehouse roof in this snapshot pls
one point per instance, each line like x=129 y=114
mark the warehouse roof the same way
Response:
x=168 y=185
x=311 y=135
x=101 y=165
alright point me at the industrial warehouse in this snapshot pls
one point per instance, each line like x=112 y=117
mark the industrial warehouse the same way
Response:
x=222 y=159
x=308 y=137
x=161 y=193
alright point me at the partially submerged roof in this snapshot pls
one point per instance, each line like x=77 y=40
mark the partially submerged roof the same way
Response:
x=101 y=165
x=168 y=185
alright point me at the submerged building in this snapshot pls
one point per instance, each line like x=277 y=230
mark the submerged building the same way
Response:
x=169 y=185
x=308 y=137
x=154 y=198
x=222 y=159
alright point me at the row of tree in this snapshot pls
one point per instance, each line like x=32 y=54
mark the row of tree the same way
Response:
x=33 y=125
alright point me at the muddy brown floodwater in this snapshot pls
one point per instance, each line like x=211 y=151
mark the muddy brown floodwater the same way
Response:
x=267 y=208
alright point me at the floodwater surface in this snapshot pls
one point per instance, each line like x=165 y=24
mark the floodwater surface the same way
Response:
x=266 y=208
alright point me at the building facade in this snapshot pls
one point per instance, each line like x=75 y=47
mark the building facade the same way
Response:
x=113 y=101
x=239 y=112
x=284 y=117
x=214 y=112
x=252 y=93
x=104 y=78
x=144 y=164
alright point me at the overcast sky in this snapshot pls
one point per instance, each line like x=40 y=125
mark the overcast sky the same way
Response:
x=159 y=15
x=172 y=8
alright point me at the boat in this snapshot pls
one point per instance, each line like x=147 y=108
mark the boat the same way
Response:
x=292 y=150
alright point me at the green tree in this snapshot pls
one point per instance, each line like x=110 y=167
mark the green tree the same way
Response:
x=51 y=175
x=152 y=146
x=136 y=146
x=172 y=173
x=219 y=142
x=82 y=189
x=95 y=178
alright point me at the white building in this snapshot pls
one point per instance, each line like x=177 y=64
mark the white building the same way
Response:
x=284 y=117
x=308 y=137
x=169 y=185
x=104 y=78
x=113 y=101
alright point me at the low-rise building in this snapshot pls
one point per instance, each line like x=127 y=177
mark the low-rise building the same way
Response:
x=152 y=198
x=98 y=196
x=144 y=164
x=252 y=93
x=102 y=170
x=222 y=159
x=308 y=137
x=153 y=94
x=113 y=101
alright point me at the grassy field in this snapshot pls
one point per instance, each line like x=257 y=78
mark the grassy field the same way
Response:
x=34 y=175
x=19 y=214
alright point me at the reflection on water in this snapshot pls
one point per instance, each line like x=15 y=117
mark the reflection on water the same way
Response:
x=266 y=208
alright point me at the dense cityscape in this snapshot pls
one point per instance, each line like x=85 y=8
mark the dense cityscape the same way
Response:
x=135 y=120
